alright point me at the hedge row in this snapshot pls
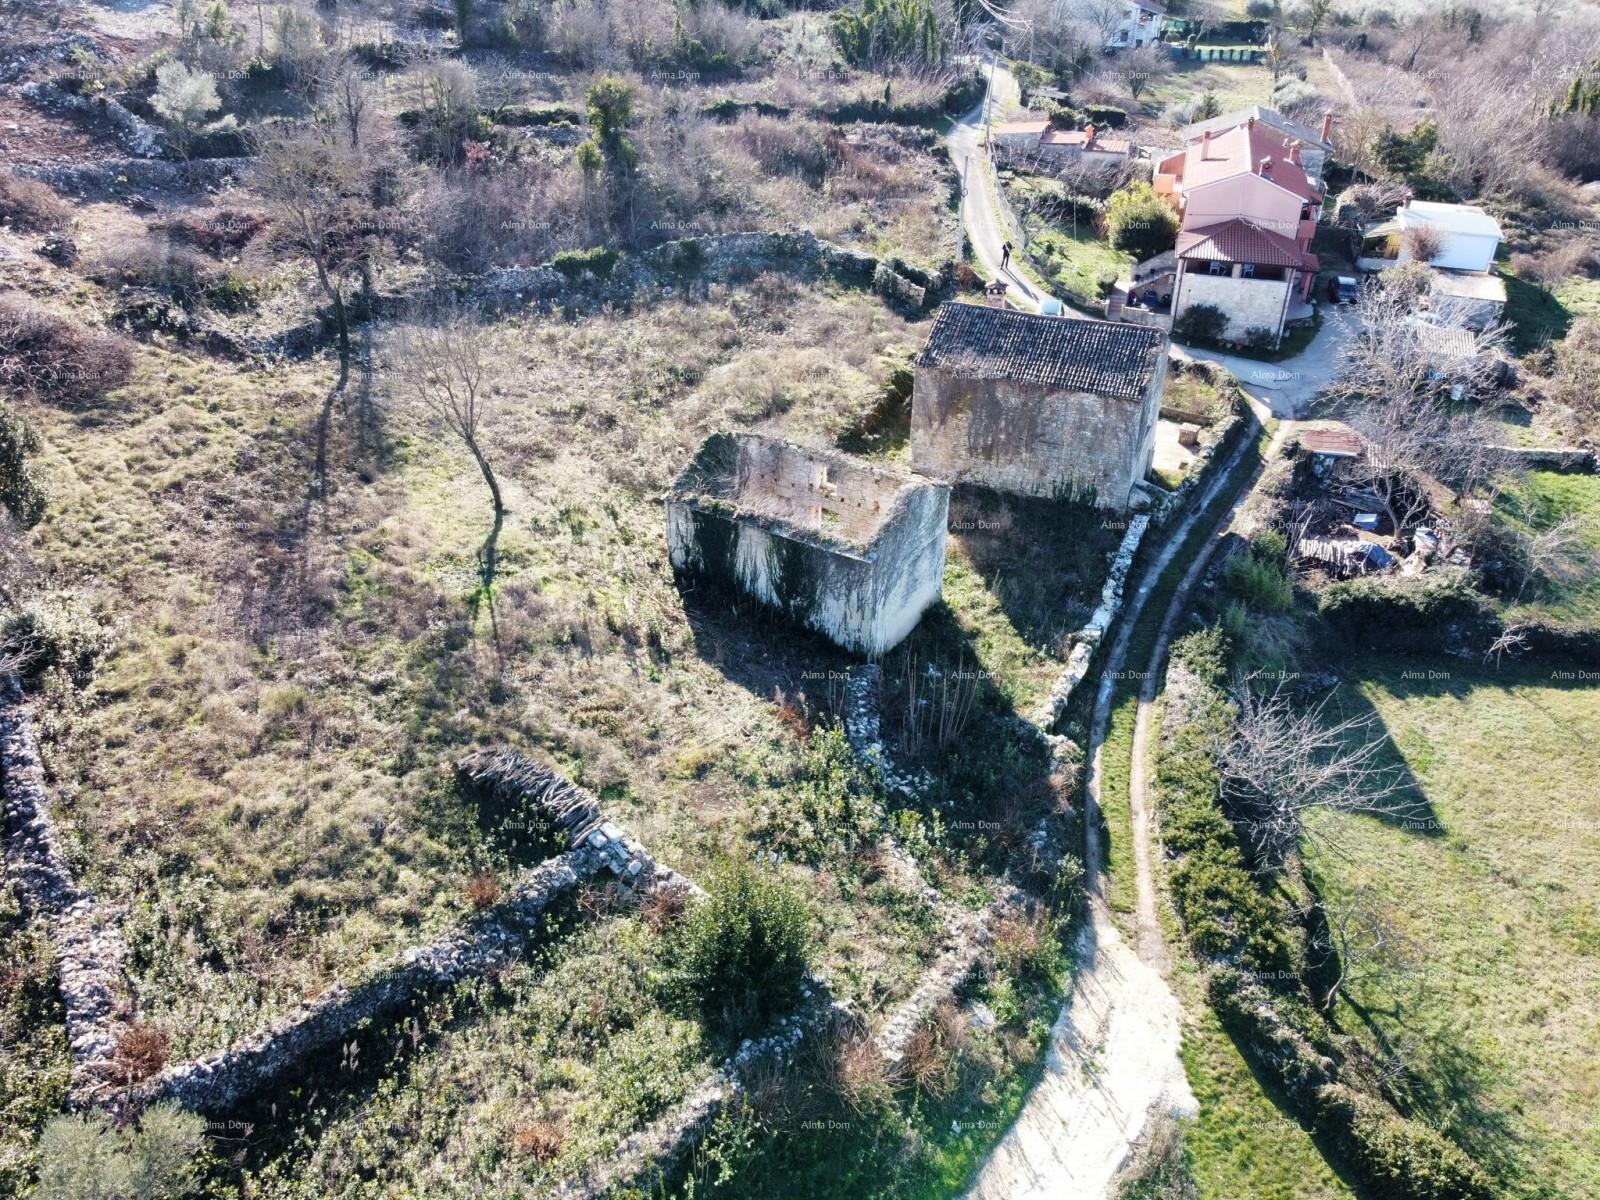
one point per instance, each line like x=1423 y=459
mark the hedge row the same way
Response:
x=1232 y=924
x=1225 y=913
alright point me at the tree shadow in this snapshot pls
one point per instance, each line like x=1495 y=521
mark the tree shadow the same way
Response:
x=483 y=596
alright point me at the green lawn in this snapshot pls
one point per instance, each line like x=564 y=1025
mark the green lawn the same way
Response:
x=1535 y=315
x=1085 y=263
x=1499 y=887
x=1580 y=297
x=1236 y=85
x=1538 y=501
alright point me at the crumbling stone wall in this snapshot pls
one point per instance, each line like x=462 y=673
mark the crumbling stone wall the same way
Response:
x=88 y=945
x=219 y=1082
x=1032 y=438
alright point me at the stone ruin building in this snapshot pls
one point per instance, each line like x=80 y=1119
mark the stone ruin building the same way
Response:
x=850 y=550
x=1044 y=406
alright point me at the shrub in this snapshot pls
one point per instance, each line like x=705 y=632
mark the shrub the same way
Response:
x=1139 y=222
x=1399 y=1159
x=160 y=266
x=1375 y=609
x=1259 y=581
x=827 y=809
x=216 y=232
x=56 y=359
x=1106 y=115
x=1201 y=323
x=163 y=1157
x=57 y=631
x=29 y=206
x=573 y=263
x=744 y=949
x=1577 y=366
x=19 y=491
x=482 y=891
x=142 y=1051
x=785 y=147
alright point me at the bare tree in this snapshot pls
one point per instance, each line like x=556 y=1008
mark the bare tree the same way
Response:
x=1139 y=68
x=445 y=365
x=1104 y=17
x=1312 y=15
x=1401 y=381
x=315 y=193
x=1424 y=243
x=1362 y=936
x=1280 y=763
x=1562 y=555
x=349 y=92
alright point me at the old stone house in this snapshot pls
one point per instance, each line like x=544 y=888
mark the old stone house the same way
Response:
x=1044 y=406
x=850 y=550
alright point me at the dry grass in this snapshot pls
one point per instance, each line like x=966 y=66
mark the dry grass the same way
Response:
x=482 y=891
x=141 y=1052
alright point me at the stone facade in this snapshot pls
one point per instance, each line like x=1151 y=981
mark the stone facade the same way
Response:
x=1041 y=406
x=849 y=550
x=1248 y=303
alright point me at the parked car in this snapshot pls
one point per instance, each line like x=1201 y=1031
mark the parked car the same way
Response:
x=1343 y=289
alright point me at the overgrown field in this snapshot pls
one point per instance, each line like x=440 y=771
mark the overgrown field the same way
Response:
x=1496 y=893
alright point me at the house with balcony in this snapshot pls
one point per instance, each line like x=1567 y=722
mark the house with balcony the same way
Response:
x=1247 y=211
x=1136 y=23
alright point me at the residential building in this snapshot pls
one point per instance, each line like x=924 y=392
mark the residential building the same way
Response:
x=1314 y=146
x=1140 y=24
x=1043 y=406
x=1035 y=139
x=1465 y=285
x=1247 y=212
x=849 y=549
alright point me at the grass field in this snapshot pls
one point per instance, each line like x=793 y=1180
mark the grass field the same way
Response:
x=1537 y=502
x=1500 y=892
x=1237 y=85
x=1085 y=264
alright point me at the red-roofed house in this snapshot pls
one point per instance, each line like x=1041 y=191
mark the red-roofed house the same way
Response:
x=1035 y=139
x=1247 y=212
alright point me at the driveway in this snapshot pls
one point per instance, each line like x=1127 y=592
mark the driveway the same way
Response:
x=1289 y=387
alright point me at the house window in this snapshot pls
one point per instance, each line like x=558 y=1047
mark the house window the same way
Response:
x=1218 y=268
x=1247 y=270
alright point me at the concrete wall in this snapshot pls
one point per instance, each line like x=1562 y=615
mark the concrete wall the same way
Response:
x=1032 y=439
x=866 y=604
x=1247 y=302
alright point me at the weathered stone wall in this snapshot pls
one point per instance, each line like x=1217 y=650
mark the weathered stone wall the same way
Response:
x=1033 y=439
x=88 y=945
x=137 y=135
x=219 y=1082
x=1248 y=303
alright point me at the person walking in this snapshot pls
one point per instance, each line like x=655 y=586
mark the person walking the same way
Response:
x=1005 y=256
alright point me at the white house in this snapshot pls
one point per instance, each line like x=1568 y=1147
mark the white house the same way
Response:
x=1133 y=23
x=1469 y=235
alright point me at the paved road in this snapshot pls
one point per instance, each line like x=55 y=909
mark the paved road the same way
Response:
x=984 y=230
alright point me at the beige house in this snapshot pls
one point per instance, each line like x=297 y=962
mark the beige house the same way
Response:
x=1043 y=406
x=1034 y=139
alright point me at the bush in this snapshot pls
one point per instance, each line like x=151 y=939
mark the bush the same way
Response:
x=57 y=631
x=1201 y=324
x=1139 y=222
x=29 y=206
x=828 y=810
x=744 y=949
x=163 y=1157
x=573 y=263
x=1375 y=609
x=160 y=266
x=1257 y=576
x=217 y=232
x=55 y=359
x=1104 y=115
x=19 y=490
x=1399 y=1159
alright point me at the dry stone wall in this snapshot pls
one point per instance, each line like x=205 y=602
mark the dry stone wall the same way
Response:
x=89 y=949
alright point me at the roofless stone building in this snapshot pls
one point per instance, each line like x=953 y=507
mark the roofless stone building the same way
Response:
x=853 y=551
x=1044 y=406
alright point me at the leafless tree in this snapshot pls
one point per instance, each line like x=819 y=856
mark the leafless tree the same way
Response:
x=1363 y=936
x=1562 y=555
x=1424 y=243
x=315 y=193
x=445 y=365
x=1398 y=382
x=1104 y=17
x=1139 y=68
x=1512 y=640
x=349 y=92
x=1312 y=15
x=1281 y=762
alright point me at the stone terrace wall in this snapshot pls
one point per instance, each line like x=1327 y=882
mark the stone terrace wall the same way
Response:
x=219 y=1082
x=89 y=950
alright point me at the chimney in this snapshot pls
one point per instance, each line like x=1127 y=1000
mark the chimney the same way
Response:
x=1327 y=127
x=1250 y=124
x=1088 y=135
x=1266 y=164
x=1294 y=152
x=1205 y=145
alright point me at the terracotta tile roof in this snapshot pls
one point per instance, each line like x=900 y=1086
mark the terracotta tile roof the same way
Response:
x=1264 y=116
x=1016 y=128
x=1245 y=150
x=1107 y=358
x=1242 y=241
x=1076 y=137
x=1341 y=443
